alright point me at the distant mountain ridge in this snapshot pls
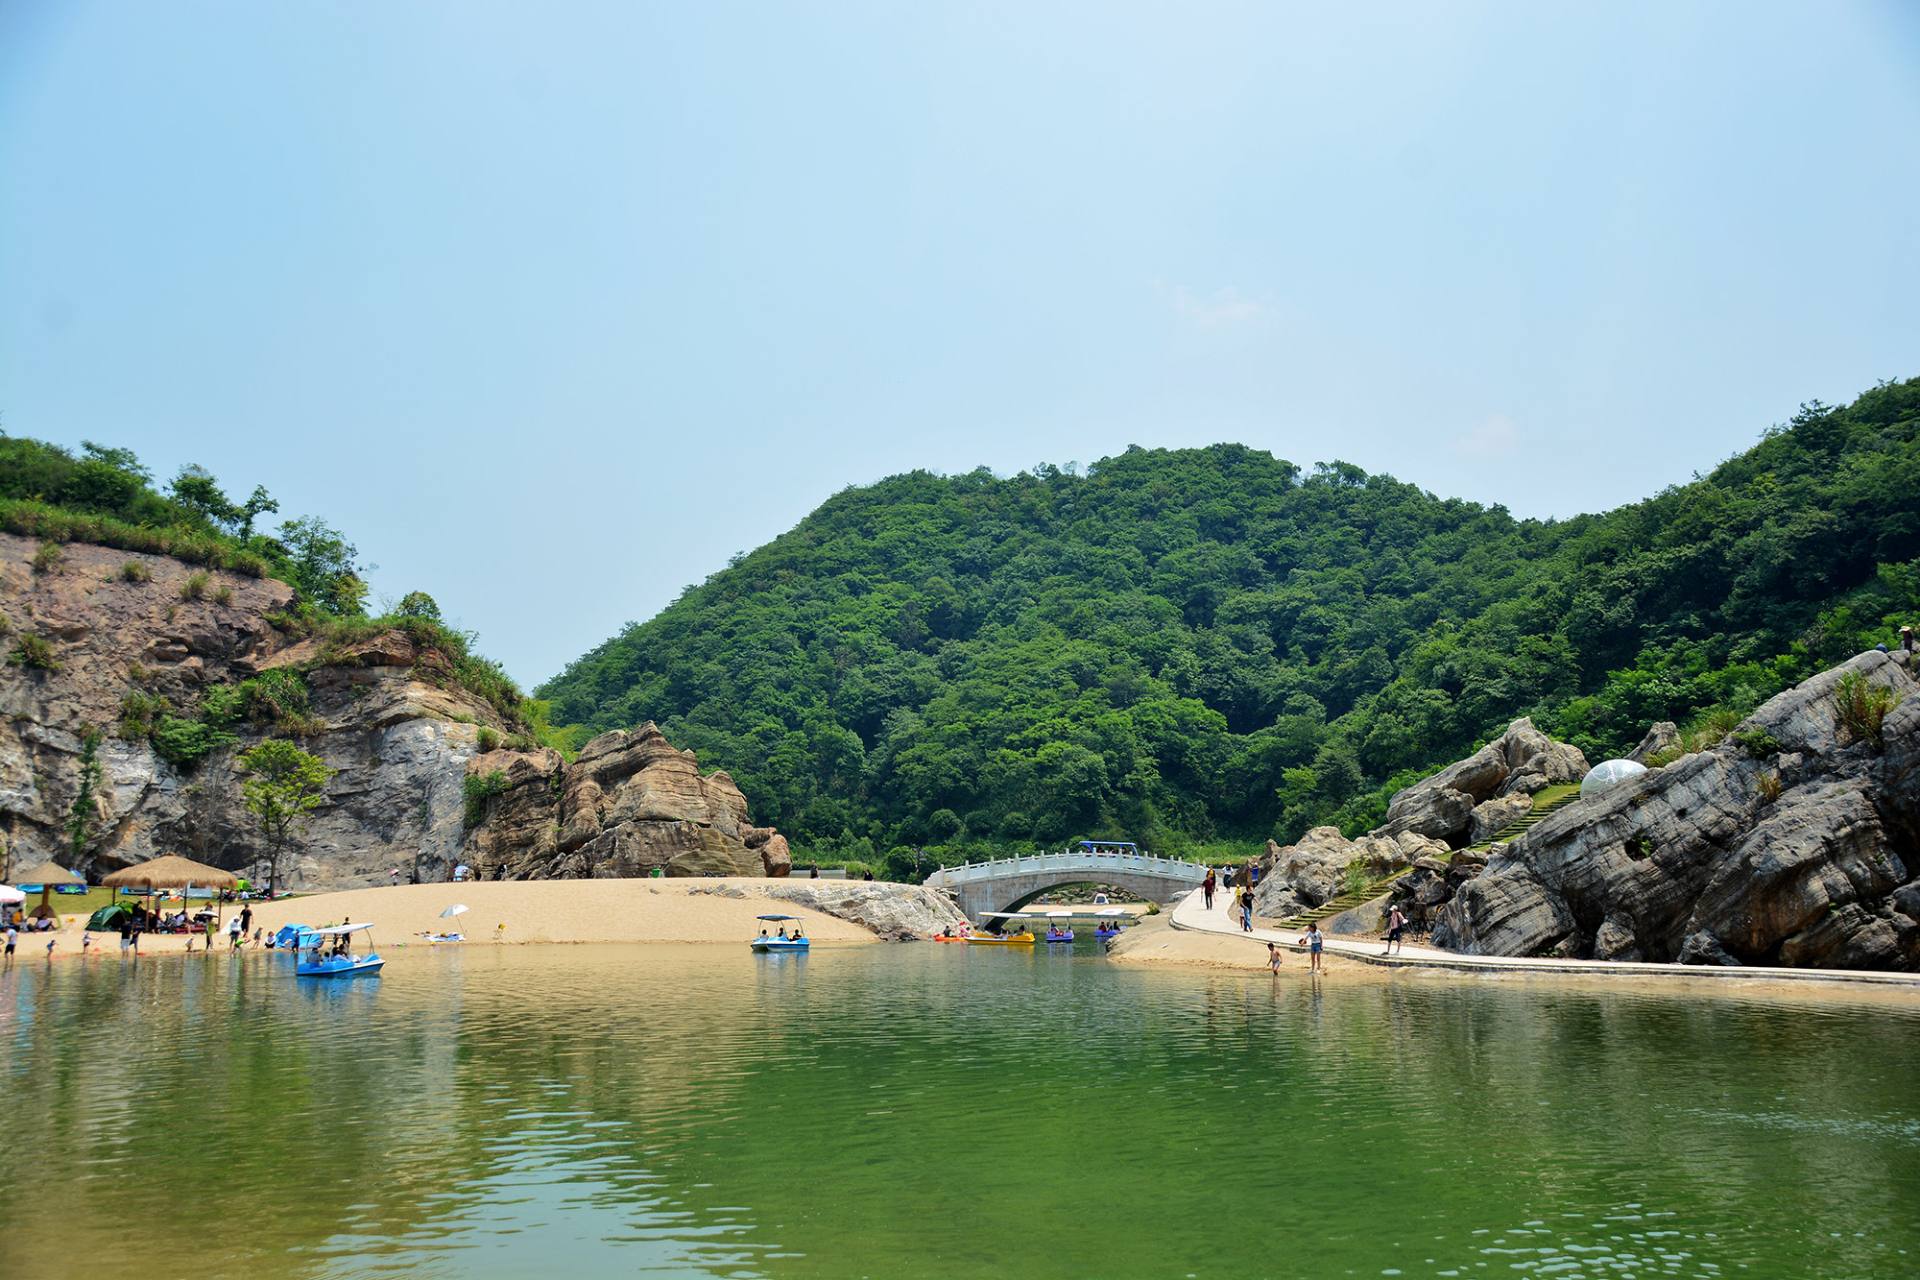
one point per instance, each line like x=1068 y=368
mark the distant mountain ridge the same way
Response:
x=1182 y=645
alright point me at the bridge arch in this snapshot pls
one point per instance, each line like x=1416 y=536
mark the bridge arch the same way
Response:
x=1006 y=884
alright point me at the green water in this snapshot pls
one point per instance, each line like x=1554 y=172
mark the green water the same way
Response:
x=902 y=1111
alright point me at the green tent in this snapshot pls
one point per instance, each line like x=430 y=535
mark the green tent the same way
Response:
x=107 y=919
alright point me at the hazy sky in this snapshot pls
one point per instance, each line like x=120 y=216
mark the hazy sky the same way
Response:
x=553 y=307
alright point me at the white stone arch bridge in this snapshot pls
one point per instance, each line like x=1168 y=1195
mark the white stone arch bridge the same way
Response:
x=1007 y=884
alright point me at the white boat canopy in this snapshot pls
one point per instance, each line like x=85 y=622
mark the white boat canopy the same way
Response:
x=1005 y=915
x=776 y=917
x=336 y=930
x=1112 y=911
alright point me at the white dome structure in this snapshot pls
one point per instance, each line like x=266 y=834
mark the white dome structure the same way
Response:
x=1607 y=775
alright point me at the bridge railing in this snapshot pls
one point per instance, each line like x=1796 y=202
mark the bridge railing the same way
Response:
x=1109 y=863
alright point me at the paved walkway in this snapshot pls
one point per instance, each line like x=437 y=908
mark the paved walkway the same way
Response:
x=1191 y=913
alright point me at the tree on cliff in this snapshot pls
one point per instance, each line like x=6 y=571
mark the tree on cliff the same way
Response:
x=80 y=817
x=284 y=786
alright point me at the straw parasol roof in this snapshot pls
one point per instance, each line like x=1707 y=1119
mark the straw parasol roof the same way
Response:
x=47 y=873
x=171 y=872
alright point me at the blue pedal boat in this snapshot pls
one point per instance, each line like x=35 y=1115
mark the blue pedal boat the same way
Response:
x=330 y=954
x=780 y=942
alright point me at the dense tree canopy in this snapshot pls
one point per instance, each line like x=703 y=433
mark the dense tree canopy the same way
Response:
x=1183 y=646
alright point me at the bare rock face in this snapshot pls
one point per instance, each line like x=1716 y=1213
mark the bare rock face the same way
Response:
x=1518 y=763
x=629 y=803
x=128 y=624
x=1662 y=737
x=400 y=736
x=1807 y=853
x=1313 y=871
x=1491 y=816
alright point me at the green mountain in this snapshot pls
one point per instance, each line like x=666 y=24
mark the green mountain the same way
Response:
x=1194 y=645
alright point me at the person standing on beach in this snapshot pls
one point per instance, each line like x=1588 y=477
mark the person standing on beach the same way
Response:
x=1312 y=940
x=13 y=936
x=1396 y=921
x=246 y=918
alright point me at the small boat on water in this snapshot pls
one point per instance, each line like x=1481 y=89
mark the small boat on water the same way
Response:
x=1059 y=935
x=329 y=953
x=780 y=942
x=1000 y=940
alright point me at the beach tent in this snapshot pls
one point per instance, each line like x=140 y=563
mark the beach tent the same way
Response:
x=172 y=872
x=107 y=918
x=47 y=877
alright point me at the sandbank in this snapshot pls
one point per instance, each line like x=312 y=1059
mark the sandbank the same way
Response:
x=506 y=912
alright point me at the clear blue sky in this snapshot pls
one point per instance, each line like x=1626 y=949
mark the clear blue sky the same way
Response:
x=555 y=307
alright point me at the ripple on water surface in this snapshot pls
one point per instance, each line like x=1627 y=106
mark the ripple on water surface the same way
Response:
x=590 y=1111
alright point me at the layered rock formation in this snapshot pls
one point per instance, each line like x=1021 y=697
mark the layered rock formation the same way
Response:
x=121 y=623
x=1313 y=871
x=1796 y=841
x=1463 y=804
x=385 y=715
x=628 y=804
x=1487 y=790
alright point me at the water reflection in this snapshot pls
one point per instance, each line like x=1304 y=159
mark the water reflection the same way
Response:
x=688 y=1111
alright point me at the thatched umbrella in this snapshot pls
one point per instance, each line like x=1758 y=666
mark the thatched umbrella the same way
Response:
x=172 y=872
x=47 y=875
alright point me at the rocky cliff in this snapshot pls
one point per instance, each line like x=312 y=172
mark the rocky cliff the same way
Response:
x=1462 y=804
x=629 y=803
x=138 y=647
x=1795 y=841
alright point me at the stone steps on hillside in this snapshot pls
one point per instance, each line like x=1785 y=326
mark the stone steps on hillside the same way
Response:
x=1548 y=801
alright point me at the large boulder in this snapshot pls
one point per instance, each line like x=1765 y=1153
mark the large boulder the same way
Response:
x=1663 y=736
x=1496 y=815
x=1790 y=843
x=628 y=804
x=1520 y=762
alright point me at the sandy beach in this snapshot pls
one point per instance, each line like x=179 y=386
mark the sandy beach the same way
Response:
x=1154 y=941
x=506 y=912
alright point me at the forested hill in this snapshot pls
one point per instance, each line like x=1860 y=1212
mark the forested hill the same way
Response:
x=1187 y=645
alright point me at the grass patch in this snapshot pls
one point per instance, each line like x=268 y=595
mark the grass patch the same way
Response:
x=135 y=571
x=47 y=557
x=1863 y=707
x=479 y=790
x=34 y=652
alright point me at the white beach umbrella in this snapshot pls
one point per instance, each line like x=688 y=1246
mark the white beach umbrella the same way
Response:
x=458 y=908
x=10 y=896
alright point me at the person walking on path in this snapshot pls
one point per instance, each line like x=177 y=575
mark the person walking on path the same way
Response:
x=1311 y=940
x=1206 y=887
x=1396 y=922
x=1246 y=911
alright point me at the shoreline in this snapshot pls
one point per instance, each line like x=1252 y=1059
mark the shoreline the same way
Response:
x=505 y=912
x=1191 y=915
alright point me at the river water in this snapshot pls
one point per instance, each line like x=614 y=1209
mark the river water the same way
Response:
x=911 y=1110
